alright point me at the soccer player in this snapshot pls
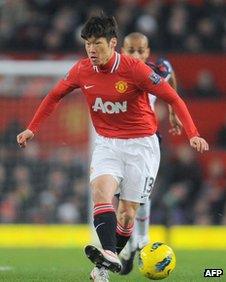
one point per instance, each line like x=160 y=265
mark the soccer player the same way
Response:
x=136 y=45
x=126 y=153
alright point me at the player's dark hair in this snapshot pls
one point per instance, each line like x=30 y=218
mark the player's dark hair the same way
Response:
x=100 y=26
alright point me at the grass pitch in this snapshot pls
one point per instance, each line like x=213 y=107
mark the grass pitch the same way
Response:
x=67 y=265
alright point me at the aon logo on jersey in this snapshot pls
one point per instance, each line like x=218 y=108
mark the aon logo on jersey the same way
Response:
x=109 y=107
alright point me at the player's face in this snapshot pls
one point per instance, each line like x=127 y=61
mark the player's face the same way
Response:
x=99 y=50
x=136 y=47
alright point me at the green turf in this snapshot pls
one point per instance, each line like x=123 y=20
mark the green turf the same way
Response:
x=71 y=265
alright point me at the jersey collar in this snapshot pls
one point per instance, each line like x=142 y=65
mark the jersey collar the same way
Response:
x=111 y=66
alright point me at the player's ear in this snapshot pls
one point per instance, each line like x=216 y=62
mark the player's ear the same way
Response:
x=113 y=42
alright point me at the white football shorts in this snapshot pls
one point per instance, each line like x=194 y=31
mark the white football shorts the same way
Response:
x=134 y=163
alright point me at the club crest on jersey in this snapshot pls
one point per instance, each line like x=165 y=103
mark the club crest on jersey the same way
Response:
x=155 y=78
x=121 y=86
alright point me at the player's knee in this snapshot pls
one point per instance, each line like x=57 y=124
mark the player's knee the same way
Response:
x=99 y=195
x=103 y=189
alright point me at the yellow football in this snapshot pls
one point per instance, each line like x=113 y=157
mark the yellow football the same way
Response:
x=156 y=261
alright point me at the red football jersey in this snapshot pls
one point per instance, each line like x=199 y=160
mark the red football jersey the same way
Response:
x=117 y=97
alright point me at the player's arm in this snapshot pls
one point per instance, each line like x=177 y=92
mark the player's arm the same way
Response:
x=165 y=70
x=176 y=125
x=150 y=82
x=47 y=106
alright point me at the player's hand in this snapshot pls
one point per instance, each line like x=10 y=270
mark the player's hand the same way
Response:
x=176 y=125
x=23 y=137
x=199 y=144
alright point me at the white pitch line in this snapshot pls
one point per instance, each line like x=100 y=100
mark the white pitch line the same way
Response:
x=5 y=268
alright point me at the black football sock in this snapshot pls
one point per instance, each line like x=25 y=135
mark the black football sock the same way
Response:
x=122 y=236
x=105 y=224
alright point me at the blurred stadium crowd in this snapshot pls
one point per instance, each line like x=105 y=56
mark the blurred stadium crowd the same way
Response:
x=54 y=188
x=54 y=25
x=41 y=190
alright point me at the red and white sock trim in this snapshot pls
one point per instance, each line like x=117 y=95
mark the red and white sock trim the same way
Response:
x=103 y=208
x=124 y=231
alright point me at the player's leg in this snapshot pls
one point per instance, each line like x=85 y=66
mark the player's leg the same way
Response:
x=129 y=248
x=127 y=256
x=142 y=169
x=126 y=213
x=105 y=176
x=142 y=224
x=131 y=245
x=138 y=239
x=126 y=251
x=103 y=190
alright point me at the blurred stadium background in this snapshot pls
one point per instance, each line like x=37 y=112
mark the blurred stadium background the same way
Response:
x=47 y=183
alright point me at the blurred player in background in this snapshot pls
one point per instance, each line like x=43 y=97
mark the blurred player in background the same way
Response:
x=136 y=45
x=126 y=154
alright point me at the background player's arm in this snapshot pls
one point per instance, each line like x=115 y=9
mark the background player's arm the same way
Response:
x=176 y=125
x=165 y=70
x=150 y=82
x=197 y=142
